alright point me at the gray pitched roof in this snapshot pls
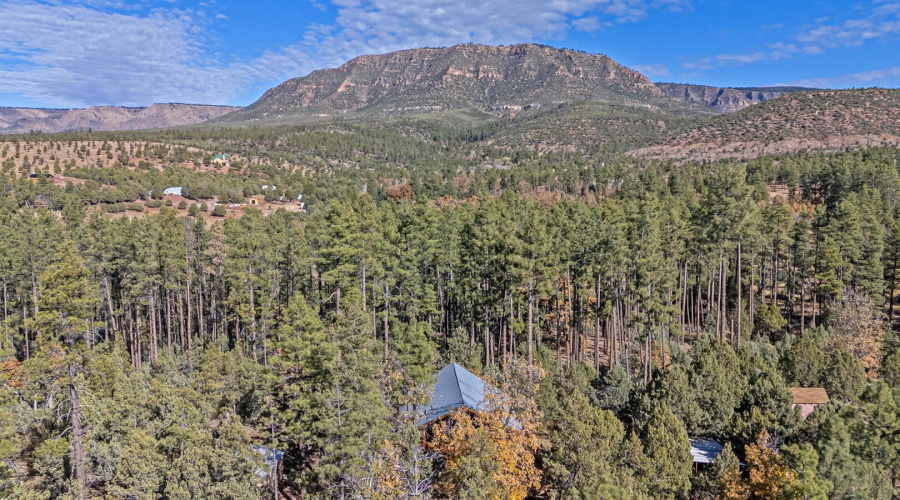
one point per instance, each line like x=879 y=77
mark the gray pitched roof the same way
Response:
x=705 y=451
x=454 y=388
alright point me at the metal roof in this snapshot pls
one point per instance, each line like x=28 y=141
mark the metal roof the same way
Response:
x=454 y=388
x=809 y=395
x=271 y=457
x=704 y=451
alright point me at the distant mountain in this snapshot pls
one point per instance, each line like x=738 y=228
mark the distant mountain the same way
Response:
x=726 y=100
x=829 y=120
x=481 y=77
x=23 y=120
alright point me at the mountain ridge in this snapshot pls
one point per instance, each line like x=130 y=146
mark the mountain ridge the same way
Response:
x=507 y=79
x=107 y=118
x=725 y=99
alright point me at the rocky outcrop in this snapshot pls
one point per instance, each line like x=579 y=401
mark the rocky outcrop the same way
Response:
x=725 y=100
x=24 y=120
x=458 y=77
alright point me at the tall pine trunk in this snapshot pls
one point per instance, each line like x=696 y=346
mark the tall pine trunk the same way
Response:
x=530 y=323
x=77 y=434
x=740 y=304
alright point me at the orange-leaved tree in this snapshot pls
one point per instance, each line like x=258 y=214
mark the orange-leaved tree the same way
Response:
x=770 y=475
x=490 y=453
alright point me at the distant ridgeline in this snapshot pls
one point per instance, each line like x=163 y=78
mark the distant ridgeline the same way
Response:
x=25 y=120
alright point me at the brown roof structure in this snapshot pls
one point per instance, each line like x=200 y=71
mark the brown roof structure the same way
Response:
x=809 y=395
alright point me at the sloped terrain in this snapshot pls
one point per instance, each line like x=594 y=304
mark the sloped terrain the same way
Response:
x=106 y=118
x=831 y=120
x=590 y=128
x=724 y=99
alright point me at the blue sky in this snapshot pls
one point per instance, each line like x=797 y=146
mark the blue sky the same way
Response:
x=64 y=53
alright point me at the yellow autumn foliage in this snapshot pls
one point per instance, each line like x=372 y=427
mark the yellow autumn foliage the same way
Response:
x=769 y=474
x=509 y=423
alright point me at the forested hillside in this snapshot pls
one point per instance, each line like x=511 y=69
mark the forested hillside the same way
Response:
x=825 y=120
x=153 y=344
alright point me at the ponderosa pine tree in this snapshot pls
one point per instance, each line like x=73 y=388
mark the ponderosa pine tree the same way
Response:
x=66 y=302
x=828 y=270
x=337 y=411
x=892 y=265
x=725 y=219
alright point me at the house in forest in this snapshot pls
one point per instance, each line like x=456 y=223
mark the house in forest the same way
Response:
x=704 y=451
x=271 y=460
x=272 y=469
x=808 y=398
x=220 y=160
x=172 y=191
x=454 y=388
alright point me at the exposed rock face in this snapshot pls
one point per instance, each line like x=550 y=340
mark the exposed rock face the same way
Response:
x=23 y=120
x=462 y=76
x=725 y=100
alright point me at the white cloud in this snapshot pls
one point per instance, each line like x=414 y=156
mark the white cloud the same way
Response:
x=659 y=70
x=704 y=63
x=383 y=25
x=885 y=77
x=776 y=51
x=76 y=54
x=588 y=24
x=782 y=50
x=879 y=20
x=742 y=58
x=73 y=55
